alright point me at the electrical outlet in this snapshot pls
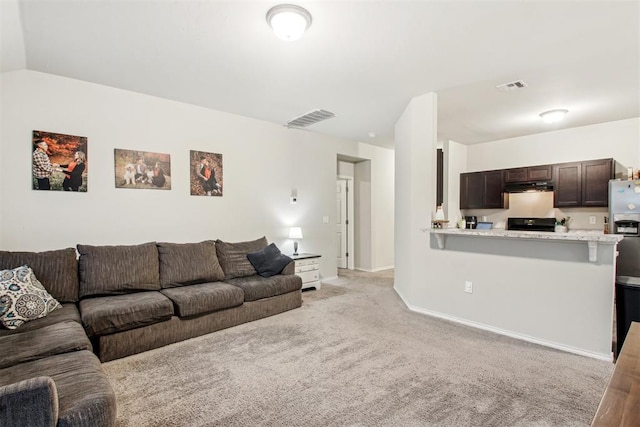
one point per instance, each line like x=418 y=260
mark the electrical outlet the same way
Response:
x=468 y=287
x=592 y=219
x=325 y=220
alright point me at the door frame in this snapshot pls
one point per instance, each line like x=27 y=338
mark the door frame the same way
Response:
x=351 y=218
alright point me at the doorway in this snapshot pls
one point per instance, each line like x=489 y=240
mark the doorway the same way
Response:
x=345 y=223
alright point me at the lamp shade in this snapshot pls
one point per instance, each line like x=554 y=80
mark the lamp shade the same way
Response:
x=295 y=233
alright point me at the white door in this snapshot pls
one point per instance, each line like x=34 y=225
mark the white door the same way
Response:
x=342 y=223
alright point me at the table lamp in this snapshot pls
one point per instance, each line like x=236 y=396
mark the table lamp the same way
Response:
x=295 y=233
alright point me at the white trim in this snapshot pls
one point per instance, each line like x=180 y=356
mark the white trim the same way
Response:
x=375 y=270
x=568 y=349
x=322 y=279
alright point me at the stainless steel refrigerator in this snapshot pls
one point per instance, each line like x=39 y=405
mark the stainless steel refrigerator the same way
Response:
x=624 y=218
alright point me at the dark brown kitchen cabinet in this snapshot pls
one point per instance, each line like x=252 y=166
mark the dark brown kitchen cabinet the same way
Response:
x=567 y=185
x=482 y=190
x=582 y=184
x=595 y=182
x=471 y=190
x=540 y=173
x=531 y=173
x=515 y=175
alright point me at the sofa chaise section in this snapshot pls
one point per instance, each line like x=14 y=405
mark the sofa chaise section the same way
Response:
x=85 y=397
x=48 y=373
x=59 y=338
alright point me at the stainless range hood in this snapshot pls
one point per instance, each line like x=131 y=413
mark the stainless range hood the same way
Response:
x=525 y=187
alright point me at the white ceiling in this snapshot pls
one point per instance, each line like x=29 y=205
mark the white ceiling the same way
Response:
x=362 y=60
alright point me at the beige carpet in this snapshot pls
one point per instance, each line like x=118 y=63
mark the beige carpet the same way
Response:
x=354 y=355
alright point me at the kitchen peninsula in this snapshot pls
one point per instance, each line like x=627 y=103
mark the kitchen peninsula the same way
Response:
x=591 y=238
x=554 y=289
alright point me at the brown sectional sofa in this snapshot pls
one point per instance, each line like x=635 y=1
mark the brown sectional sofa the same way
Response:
x=118 y=301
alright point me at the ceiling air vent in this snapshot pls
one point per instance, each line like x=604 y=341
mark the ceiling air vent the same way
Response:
x=309 y=118
x=507 y=87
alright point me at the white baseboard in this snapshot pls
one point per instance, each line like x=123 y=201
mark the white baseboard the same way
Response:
x=374 y=270
x=322 y=279
x=557 y=346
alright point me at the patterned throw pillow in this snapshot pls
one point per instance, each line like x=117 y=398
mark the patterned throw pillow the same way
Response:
x=23 y=298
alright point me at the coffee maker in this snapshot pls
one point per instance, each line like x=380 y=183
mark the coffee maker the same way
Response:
x=471 y=221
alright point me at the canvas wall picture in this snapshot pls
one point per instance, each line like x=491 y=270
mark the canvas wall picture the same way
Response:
x=206 y=174
x=142 y=169
x=59 y=162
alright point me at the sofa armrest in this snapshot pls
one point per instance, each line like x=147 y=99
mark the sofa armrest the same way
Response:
x=290 y=268
x=32 y=402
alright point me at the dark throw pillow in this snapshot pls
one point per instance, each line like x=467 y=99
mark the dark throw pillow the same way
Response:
x=268 y=261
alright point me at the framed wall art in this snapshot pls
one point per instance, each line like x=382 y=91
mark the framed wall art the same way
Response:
x=142 y=169
x=59 y=162
x=206 y=174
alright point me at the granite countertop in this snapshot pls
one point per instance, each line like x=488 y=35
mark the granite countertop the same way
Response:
x=572 y=235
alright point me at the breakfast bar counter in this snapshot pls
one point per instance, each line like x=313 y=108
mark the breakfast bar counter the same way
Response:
x=591 y=237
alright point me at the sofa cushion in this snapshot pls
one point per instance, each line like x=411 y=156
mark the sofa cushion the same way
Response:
x=23 y=298
x=257 y=287
x=85 y=396
x=68 y=311
x=268 y=261
x=204 y=298
x=188 y=263
x=233 y=257
x=112 y=270
x=60 y=338
x=56 y=270
x=106 y=315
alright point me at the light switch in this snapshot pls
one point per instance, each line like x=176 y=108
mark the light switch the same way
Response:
x=325 y=219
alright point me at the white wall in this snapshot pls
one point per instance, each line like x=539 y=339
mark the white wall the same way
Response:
x=619 y=140
x=382 y=207
x=346 y=169
x=455 y=163
x=363 y=242
x=263 y=162
x=415 y=159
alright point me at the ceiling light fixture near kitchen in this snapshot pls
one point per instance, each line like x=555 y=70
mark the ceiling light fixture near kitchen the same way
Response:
x=553 y=116
x=289 y=22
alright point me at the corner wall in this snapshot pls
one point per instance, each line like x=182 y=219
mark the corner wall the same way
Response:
x=415 y=157
x=619 y=140
x=263 y=162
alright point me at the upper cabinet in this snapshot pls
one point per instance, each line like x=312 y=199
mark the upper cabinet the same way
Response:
x=582 y=184
x=595 y=182
x=482 y=190
x=532 y=173
x=567 y=185
x=576 y=184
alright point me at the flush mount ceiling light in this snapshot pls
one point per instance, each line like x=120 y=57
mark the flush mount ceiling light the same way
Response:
x=553 y=116
x=289 y=22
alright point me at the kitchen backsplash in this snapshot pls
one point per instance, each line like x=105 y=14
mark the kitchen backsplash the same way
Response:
x=537 y=205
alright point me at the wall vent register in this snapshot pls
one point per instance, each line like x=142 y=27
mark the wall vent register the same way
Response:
x=310 y=118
